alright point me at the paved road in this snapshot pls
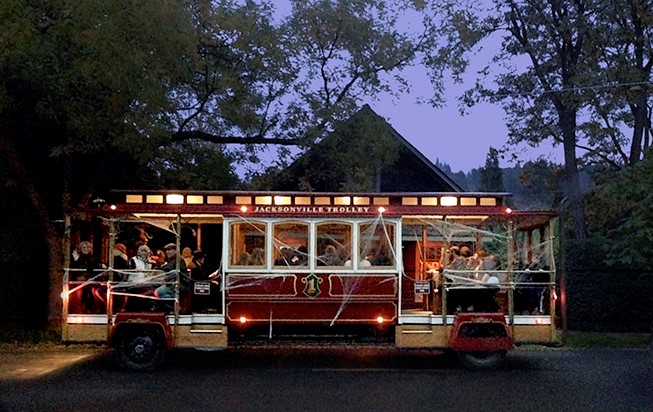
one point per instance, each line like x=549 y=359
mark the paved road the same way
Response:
x=310 y=379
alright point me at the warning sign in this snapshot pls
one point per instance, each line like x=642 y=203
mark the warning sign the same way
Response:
x=202 y=288
x=422 y=286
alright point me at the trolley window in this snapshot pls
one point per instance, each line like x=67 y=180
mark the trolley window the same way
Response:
x=290 y=244
x=376 y=244
x=333 y=243
x=247 y=241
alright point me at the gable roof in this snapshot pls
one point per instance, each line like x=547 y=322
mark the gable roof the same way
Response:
x=407 y=170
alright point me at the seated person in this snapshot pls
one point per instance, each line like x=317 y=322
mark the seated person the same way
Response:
x=329 y=257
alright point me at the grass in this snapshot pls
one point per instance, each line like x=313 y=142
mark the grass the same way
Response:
x=16 y=334
x=577 y=339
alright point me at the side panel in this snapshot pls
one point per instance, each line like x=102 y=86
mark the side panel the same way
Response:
x=422 y=336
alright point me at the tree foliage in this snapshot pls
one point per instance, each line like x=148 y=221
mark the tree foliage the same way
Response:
x=491 y=175
x=619 y=213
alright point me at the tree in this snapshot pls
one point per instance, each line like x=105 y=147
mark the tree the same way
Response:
x=83 y=93
x=624 y=37
x=543 y=96
x=307 y=74
x=491 y=175
x=620 y=216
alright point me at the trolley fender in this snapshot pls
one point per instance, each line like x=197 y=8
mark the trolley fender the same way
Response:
x=142 y=320
x=480 y=332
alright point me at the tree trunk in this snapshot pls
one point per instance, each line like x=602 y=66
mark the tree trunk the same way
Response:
x=572 y=181
x=52 y=239
x=640 y=119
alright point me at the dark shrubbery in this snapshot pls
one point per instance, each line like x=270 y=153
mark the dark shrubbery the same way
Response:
x=602 y=298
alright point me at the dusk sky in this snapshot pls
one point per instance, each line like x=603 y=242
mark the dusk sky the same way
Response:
x=443 y=133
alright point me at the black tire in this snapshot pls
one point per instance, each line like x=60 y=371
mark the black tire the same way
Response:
x=140 y=350
x=482 y=360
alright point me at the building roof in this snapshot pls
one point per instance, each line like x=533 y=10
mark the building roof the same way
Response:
x=364 y=153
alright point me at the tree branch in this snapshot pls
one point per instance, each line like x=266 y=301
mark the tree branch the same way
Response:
x=207 y=137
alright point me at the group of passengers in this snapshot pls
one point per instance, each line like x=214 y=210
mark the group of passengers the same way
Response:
x=145 y=274
x=467 y=267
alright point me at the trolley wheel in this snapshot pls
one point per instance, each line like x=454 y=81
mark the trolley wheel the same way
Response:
x=140 y=350
x=482 y=360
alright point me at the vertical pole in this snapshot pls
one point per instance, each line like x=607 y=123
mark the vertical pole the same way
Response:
x=552 y=276
x=511 y=276
x=443 y=288
x=563 y=268
x=112 y=240
x=178 y=267
x=422 y=265
x=66 y=277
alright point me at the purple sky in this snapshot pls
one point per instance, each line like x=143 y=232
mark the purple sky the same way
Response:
x=443 y=133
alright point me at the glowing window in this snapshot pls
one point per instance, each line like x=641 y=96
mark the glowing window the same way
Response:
x=467 y=201
x=429 y=201
x=134 y=199
x=302 y=200
x=322 y=200
x=376 y=244
x=194 y=199
x=333 y=244
x=290 y=244
x=247 y=244
x=361 y=201
x=488 y=201
x=342 y=201
x=409 y=201
x=449 y=201
x=243 y=200
x=263 y=200
x=175 y=199
x=154 y=199
x=282 y=200
x=381 y=201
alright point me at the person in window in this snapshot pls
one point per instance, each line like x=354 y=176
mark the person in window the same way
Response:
x=167 y=291
x=330 y=257
x=288 y=257
x=366 y=261
x=198 y=272
x=142 y=263
x=187 y=255
x=86 y=268
x=382 y=257
x=258 y=257
x=139 y=278
x=83 y=260
x=244 y=259
x=120 y=260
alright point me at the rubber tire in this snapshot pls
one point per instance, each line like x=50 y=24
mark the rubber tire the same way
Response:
x=140 y=350
x=477 y=361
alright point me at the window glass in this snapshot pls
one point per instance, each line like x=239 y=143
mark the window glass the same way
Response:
x=333 y=246
x=290 y=244
x=376 y=244
x=247 y=244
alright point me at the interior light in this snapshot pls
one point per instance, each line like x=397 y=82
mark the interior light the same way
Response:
x=243 y=319
x=381 y=209
x=64 y=295
x=448 y=201
x=243 y=209
x=380 y=319
x=175 y=199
